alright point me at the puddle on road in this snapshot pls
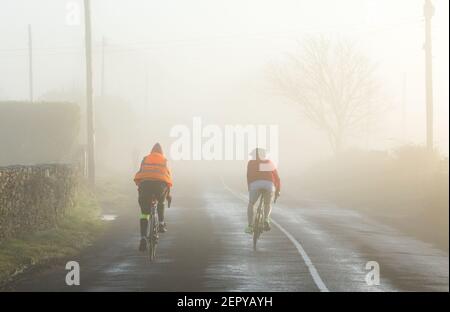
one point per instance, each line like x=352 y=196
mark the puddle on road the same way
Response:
x=108 y=217
x=119 y=268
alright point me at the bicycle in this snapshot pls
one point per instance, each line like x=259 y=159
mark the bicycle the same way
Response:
x=153 y=228
x=258 y=224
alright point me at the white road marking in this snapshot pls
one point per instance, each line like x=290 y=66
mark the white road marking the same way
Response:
x=312 y=269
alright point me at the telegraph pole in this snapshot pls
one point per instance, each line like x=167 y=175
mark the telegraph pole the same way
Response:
x=404 y=108
x=30 y=64
x=146 y=88
x=103 y=67
x=428 y=11
x=89 y=102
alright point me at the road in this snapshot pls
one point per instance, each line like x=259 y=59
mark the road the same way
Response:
x=313 y=246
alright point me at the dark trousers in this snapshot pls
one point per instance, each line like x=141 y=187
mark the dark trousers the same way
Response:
x=147 y=191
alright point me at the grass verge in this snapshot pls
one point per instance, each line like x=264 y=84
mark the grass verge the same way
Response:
x=76 y=230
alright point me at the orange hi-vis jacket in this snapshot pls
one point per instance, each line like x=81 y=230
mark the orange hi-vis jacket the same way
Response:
x=154 y=167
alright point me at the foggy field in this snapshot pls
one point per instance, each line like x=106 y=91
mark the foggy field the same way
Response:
x=406 y=188
x=347 y=101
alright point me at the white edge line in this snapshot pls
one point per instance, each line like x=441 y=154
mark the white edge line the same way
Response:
x=312 y=269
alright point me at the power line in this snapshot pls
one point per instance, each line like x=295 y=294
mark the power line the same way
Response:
x=149 y=45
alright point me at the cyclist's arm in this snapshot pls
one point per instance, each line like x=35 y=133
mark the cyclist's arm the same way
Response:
x=248 y=175
x=136 y=179
x=168 y=197
x=277 y=180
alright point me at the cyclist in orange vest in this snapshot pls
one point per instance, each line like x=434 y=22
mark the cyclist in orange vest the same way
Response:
x=153 y=179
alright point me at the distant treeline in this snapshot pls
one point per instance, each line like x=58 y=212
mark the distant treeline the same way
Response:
x=42 y=132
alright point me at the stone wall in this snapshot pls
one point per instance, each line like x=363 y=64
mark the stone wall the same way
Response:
x=34 y=197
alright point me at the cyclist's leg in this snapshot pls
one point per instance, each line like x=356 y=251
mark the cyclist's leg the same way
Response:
x=144 y=199
x=161 y=202
x=267 y=197
x=161 y=197
x=252 y=198
x=144 y=202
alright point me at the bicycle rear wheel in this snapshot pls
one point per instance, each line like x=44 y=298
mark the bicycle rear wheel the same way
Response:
x=153 y=237
x=258 y=225
x=255 y=238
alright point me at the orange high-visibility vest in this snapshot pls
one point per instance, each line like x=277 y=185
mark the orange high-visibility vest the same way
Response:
x=154 y=167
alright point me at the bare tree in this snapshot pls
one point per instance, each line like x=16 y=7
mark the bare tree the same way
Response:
x=333 y=83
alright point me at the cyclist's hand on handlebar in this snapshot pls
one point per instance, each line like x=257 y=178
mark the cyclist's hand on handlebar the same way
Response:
x=277 y=194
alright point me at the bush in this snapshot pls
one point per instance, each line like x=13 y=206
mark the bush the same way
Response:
x=408 y=185
x=42 y=132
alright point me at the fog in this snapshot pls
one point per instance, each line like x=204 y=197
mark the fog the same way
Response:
x=334 y=90
x=164 y=62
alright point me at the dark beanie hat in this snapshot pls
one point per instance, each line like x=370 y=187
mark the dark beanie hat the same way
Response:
x=157 y=148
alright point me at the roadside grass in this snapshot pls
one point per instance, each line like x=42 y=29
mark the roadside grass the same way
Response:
x=110 y=191
x=75 y=231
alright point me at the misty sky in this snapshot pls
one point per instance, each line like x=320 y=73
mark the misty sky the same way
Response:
x=209 y=58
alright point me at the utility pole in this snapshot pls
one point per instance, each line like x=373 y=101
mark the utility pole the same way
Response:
x=404 y=108
x=428 y=11
x=146 y=89
x=103 y=67
x=30 y=64
x=89 y=102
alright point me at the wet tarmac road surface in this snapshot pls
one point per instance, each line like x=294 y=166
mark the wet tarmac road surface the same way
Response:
x=312 y=246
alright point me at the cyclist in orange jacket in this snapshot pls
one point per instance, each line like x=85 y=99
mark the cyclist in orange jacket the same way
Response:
x=153 y=179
